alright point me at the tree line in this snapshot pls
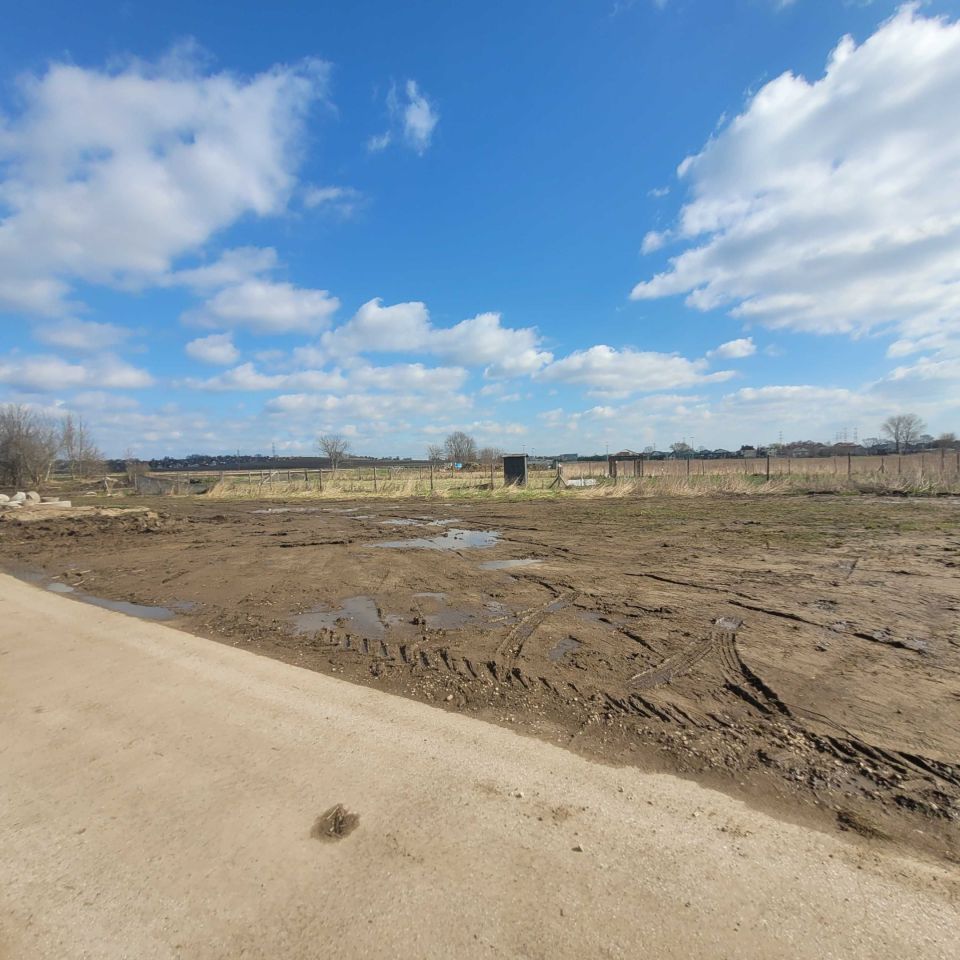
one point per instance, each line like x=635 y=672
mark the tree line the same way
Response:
x=458 y=447
x=32 y=443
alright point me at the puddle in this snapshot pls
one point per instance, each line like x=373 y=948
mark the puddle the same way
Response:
x=289 y=510
x=453 y=539
x=582 y=482
x=508 y=564
x=563 y=647
x=730 y=624
x=438 y=616
x=140 y=610
x=403 y=522
x=360 y=616
x=449 y=619
x=359 y=613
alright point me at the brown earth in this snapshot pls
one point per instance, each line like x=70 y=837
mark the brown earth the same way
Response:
x=801 y=652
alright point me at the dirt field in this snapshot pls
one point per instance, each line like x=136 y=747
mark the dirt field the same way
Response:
x=801 y=652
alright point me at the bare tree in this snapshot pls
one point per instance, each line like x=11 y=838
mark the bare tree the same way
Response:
x=681 y=449
x=83 y=457
x=460 y=447
x=436 y=453
x=134 y=466
x=903 y=429
x=335 y=447
x=29 y=444
x=946 y=440
x=490 y=456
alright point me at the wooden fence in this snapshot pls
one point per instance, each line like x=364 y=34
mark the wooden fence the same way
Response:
x=941 y=464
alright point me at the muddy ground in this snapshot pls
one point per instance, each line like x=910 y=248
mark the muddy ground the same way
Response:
x=800 y=652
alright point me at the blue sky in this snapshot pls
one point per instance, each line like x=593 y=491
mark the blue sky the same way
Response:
x=556 y=226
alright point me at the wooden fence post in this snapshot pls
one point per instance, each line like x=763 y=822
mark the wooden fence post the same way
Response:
x=431 y=478
x=320 y=477
x=768 y=466
x=374 y=479
x=849 y=465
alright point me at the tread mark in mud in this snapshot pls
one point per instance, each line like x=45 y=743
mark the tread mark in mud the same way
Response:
x=738 y=679
x=512 y=644
x=674 y=666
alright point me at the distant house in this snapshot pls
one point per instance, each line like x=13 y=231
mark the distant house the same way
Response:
x=747 y=452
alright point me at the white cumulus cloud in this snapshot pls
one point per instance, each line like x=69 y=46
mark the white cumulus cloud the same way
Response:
x=482 y=340
x=108 y=176
x=735 y=349
x=604 y=369
x=218 y=349
x=83 y=335
x=268 y=307
x=833 y=205
x=46 y=373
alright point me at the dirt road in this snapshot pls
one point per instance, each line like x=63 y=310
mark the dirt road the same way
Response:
x=159 y=792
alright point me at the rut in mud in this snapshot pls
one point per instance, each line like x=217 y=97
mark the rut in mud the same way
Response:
x=798 y=651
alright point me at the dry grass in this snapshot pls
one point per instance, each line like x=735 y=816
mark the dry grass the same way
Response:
x=476 y=487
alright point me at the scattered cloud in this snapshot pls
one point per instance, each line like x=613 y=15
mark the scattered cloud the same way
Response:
x=217 y=349
x=379 y=142
x=653 y=240
x=607 y=370
x=479 y=341
x=833 y=206
x=81 y=335
x=108 y=176
x=232 y=267
x=396 y=378
x=735 y=349
x=413 y=119
x=267 y=307
x=44 y=373
x=341 y=202
x=420 y=118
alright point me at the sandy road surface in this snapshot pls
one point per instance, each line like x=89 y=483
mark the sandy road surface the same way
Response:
x=157 y=793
